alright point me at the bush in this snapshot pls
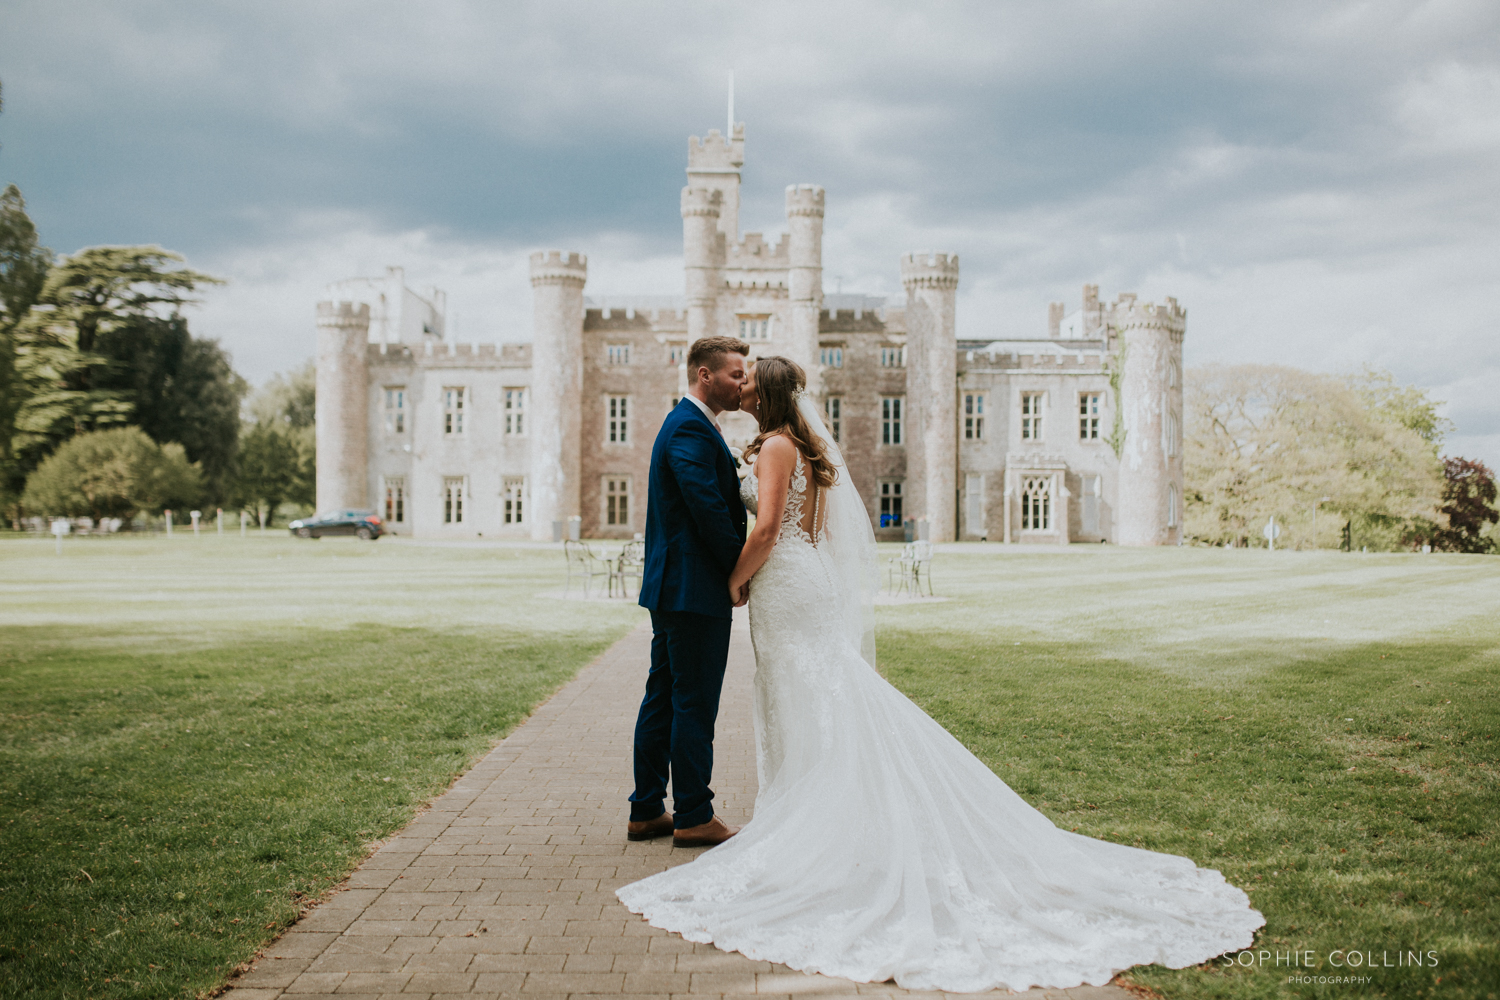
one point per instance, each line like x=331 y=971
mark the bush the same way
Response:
x=112 y=473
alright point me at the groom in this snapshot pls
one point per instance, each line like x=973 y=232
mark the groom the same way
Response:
x=695 y=526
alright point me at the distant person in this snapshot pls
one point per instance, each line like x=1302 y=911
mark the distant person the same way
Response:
x=881 y=848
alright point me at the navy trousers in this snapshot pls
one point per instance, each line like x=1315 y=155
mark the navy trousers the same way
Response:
x=674 y=734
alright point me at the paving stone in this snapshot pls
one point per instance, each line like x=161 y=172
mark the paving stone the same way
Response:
x=505 y=886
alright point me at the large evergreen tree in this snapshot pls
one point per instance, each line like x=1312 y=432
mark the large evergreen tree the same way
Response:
x=23 y=270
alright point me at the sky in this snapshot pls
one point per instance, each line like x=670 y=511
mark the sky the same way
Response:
x=1315 y=182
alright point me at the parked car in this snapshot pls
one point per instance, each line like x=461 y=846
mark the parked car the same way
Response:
x=362 y=523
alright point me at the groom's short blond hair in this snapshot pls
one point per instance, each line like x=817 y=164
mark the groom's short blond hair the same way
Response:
x=710 y=353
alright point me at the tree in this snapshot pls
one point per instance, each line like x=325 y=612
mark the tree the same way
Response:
x=112 y=473
x=277 y=458
x=1407 y=406
x=87 y=351
x=23 y=270
x=1263 y=441
x=1469 y=506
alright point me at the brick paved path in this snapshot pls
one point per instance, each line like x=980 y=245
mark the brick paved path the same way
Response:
x=505 y=887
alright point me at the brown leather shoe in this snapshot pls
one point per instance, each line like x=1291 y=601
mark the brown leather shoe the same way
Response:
x=649 y=829
x=715 y=831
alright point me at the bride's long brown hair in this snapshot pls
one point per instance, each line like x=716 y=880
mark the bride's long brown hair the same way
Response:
x=777 y=382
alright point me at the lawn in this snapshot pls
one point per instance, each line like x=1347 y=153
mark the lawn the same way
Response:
x=1320 y=727
x=198 y=737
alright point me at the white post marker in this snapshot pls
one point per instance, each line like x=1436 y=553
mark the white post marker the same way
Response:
x=1272 y=531
x=262 y=512
x=169 y=523
x=196 y=516
x=60 y=527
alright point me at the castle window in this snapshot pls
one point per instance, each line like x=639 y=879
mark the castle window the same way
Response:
x=890 y=420
x=1172 y=374
x=890 y=503
x=395 y=501
x=677 y=354
x=1031 y=416
x=973 y=416
x=1088 y=416
x=513 y=498
x=755 y=328
x=831 y=357
x=515 y=411
x=617 y=422
x=453 y=500
x=893 y=357
x=1092 y=491
x=1169 y=430
x=453 y=409
x=1036 y=504
x=617 y=500
x=833 y=410
x=1171 y=505
x=395 y=409
x=617 y=354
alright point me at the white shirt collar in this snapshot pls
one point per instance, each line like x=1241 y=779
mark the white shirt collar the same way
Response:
x=700 y=404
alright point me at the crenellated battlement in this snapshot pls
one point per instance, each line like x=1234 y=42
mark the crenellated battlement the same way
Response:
x=754 y=251
x=804 y=199
x=559 y=267
x=344 y=315
x=717 y=153
x=1127 y=313
x=927 y=269
x=701 y=201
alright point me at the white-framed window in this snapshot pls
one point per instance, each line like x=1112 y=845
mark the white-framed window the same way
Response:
x=454 y=398
x=974 y=503
x=515 y=411
x=833 y=415
x=617 y=354
x=454 y=494
x=617 y=419
x=1088 y=416
x=973 y=416
x=395 y=501
x=890 y=419
x=1171 y=505
x=617 y=500
x=831 y=357
x=1031 y=415
x=676 y=354
x=753 y=328
x=513 y=499
x=1092 y=493
x=893 y=357
x=890 y=503
x=395 y=409
x=1036 y=503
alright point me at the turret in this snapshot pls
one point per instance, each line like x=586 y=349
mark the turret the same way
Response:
x=557 y=280
x=931 y=281
x=714 y=164
x=341 y=422
x=804 y=217
x=703 y=258
x=1149 y=505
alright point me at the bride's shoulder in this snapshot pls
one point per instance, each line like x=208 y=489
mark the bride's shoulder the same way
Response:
x=777 y=453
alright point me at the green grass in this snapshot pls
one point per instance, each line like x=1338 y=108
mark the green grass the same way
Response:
x=197 y=738
x=1319 y=727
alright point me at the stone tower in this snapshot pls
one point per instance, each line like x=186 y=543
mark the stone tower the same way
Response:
x=703 y=257
x=557 y=280
x=341 y=423
x=1149 y=505
x=804 y=217
x=931 y=282
x=714 y=164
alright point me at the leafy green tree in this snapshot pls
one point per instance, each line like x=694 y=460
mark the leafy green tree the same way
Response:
x=1263 y=441
x=1406 y=405
x=23 y=270
x=278 y=455
x=113 y=473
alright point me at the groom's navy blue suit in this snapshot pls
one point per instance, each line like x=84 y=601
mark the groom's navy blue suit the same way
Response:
x=695 y=528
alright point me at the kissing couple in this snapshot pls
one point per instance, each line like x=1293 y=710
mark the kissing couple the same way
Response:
x=880 y=848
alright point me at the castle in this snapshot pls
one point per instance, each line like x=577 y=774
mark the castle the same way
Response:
x=1070 y=437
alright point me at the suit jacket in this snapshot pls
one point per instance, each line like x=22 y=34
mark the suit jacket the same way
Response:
x=695 y=522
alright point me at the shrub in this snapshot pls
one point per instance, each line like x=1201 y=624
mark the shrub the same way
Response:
x=112 y=473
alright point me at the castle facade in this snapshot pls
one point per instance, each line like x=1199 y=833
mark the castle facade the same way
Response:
x=1071 y=436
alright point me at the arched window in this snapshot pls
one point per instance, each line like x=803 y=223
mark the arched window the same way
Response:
x=1036 y=503
x=1171 y=505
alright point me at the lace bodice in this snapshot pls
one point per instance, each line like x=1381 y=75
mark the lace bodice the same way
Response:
x=796 y=501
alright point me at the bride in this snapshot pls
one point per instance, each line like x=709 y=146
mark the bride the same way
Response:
x=881 y=848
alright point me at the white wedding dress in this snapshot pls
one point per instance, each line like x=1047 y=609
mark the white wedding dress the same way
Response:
x=882 y=849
